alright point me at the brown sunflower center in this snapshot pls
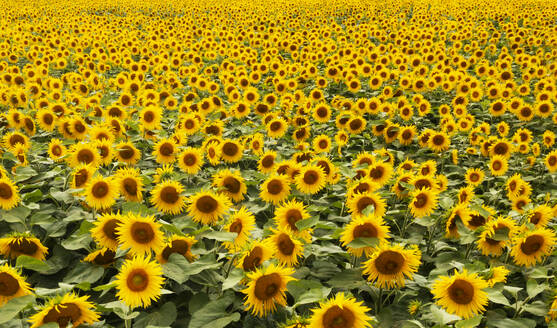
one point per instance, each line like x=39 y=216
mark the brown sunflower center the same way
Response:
x=366 y=230
x=106 y=258
x=535 y=218
x=532 y=244
x=500 y=149
x=293 y=216
x=476 y=220
x=497 y=165
x=230 y=149
x=100 y=189
x=48 y=119
x=377 y=172
x=207 y=204
x=109 y=229
x=79 y=127
x=552 y=160
x=137 y=280
x=16 y=139
x=389 y=262
x=461 y=291
x=169 y=195
x=474 y=177
x=285 y=244
x=364 y=202
x=85 y=156
x=275 y=126
x=166 y=149
x=355 y=124
x=421 y=200
x=311 y=177
x=8 y=284
x=323 y=144
x=63 y=314
x=236 y=227
x=232 y=184
x=190 y=159
x=267 y=286
x=337 y=317
x=56 y=150
x=149 y=117
x=142 y=232
x=130 y=186
x=422 y=183
x=6 y=191
x=268 y=161
x=126 y=152
x=24 y=246
x=253 y=260
x=177 y=246
x=275 y=187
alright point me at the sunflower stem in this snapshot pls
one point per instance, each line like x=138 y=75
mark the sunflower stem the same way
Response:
x=468 y=250
x=128 y=323
x=379 y=301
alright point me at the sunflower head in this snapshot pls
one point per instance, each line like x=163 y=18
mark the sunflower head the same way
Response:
x=340 y=311
x=12 y=284
x=101 y=193
x=64 y=310
x=166 y=196
x=9 y=195
x=141 y=234
x=17 y=244
x=389 y=265
x=139 y=282
x=177 y=244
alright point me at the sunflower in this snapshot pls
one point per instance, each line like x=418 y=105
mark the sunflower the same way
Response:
x=551 y=161
x=231 y=151
x=103 y=257
x=364 y=185
x=540 y=216
x=104 y=147
x=531 y=247
x=131 y=184
x=439 y=141
x=286 y=248
x=380 y=172
x=241 y=222
x=474 y=176
x=12 y=139
x=423 y=203
x=101 y=193
x=459 y=212
x=461 y=294
x=65 y=309
x=465 y=195
x=254 y=256
x=165 y=151
x=286 y=216
x=105 y=232
x=16 y=244
x=150 y=117
x=275 y=189
x=266 y=288
x=9 y=195
x=364 y=227
x=518 y=203
x=56 y=150
x=311 y=179
x=140 y=234
x=231 y=184
x=322 y=143
x=84 y=153
x=423 y=181
x=166 y=197
x=266 y=163
x=498 y=165
x=190 y=160
x=340 y=311
x=502 y=226
x=208 y=207
x=389 y=265
x=46 y=119
x=127 y=153
x=139 y=282
x=12 y=284
x=360 y=202
x=177 y=244
x=497 y=274
x=276 y=127
x=478 y=219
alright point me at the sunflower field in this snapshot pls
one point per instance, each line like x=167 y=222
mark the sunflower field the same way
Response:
x=288 y=164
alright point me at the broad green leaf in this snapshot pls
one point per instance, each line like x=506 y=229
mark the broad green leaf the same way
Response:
x=307 y=223
x=514 y=323
x=84 y=272
x=501 y=234
x=31 y=263
x=533 y=288
x=496 y=296
x=363 y=242
x=214 y=314
x=9 y=310
x=440 y=316
x=469 y=323
x=220 y=235
x=234 y=277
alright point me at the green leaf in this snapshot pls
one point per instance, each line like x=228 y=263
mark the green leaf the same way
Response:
x=31 y=263
x=496 y=296
x=538 y=308
x=84 y=272
x=440 y=316
x=220 y=235
x=313 y=296
x=77 y=241
x=363 y=242
x=307 y=223
x=234 y=277
x=179 y=269
x=9 y=310
x=23 y=173
x=214 y=313
x=163 y=317
x=469 y=323
x=368 y=210
x=501 y=234
x=533 y=288
x=514 y=323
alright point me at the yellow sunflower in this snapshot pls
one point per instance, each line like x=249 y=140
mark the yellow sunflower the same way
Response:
x=502 y=227
x=56 y=150
x=66 y=309
x=231 y=151
x=287 y=249
x=9 y=195
x=275 y=189
x=150 y=117
x=105 y=232
x=380 y=172
x=423 y=203
x=130 y=183
x=266 y=163
x=461 y=294
x=439 y=141
x=474 y=176
x=311 y=179
x=177 y=244
x=208 y=207
x=286 y=216
x=497 y=274
x=340 y=311
x=390 y=265
x=540 y=216
x=190 y=160
x=551 y=161
x=16 y=244
x=12 y=284
x=359 y=204
x=84 y=153
x=141 y=234
x=498 y=165
x=241 y=222
x=531 y=247
x=231 y=184
x=266 y=289
x=127 y=153
x=101 y=193
x=166 y=197
x=103 y=257
x=364 y=227
x=165 y=151
x=139 y=282
x=255 y=255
